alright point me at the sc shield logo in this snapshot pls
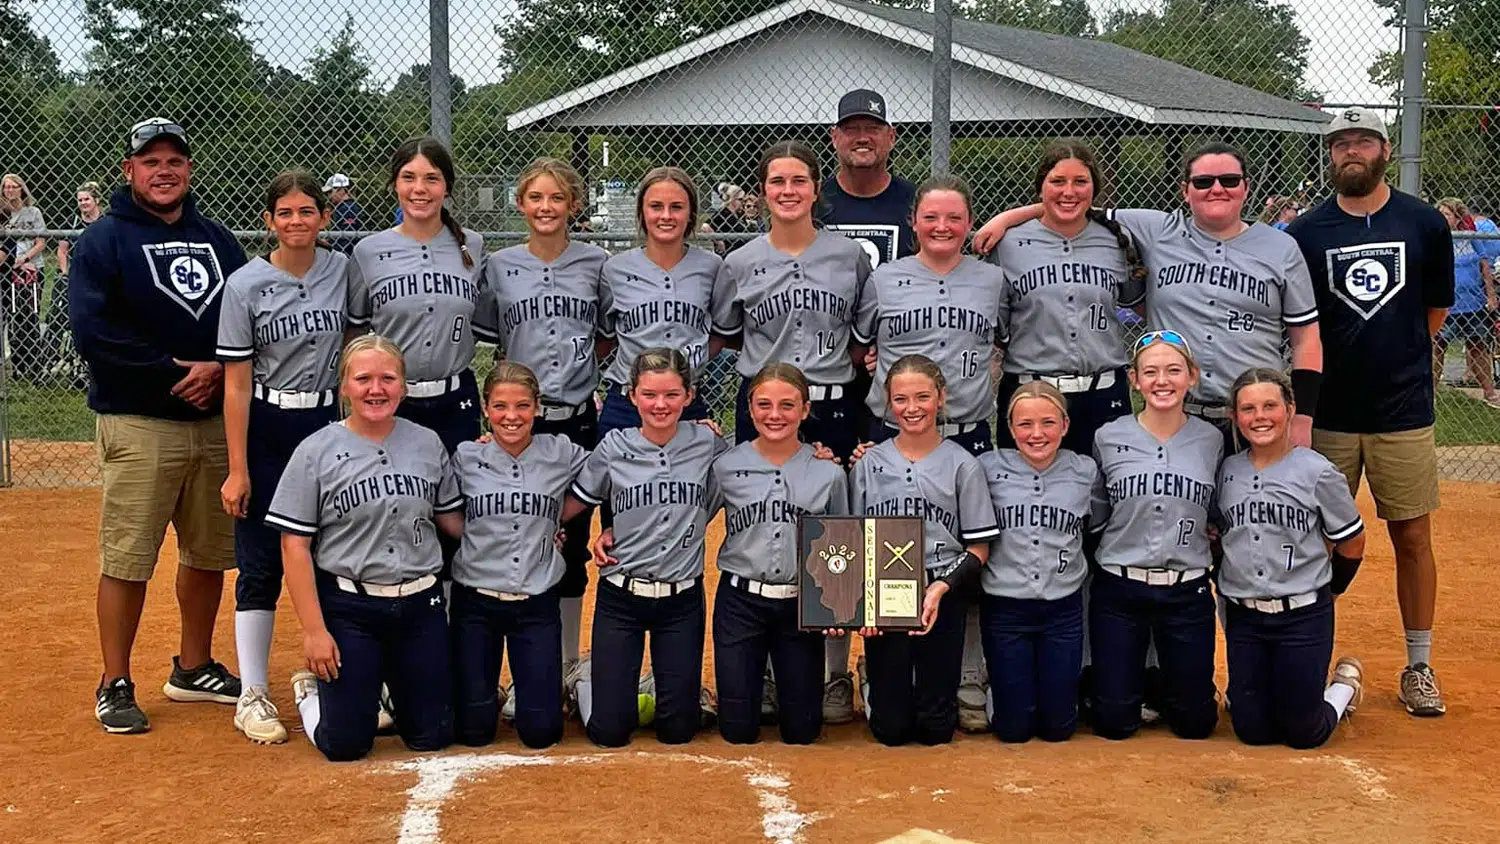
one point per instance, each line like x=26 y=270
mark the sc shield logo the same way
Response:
x=1367 y=276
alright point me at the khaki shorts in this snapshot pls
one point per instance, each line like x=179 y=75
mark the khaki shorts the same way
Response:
x=1401 y=466
x=156 y=472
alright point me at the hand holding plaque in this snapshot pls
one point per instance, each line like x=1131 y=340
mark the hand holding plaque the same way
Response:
x=858 y=572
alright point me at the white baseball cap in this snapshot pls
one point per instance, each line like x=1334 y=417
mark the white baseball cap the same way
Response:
x=1359 y=119
x=336 y=181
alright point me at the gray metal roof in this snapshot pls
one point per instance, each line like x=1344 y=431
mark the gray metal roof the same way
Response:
x=1088 y=75
x=1107 y=67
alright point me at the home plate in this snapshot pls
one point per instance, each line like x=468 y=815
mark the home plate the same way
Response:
x=924 y=836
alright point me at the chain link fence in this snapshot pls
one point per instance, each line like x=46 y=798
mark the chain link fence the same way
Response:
x=619 y=87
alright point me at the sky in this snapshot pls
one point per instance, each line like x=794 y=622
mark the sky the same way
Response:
x=1345 y=36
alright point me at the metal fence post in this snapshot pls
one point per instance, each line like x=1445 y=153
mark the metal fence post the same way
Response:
x=942 y=85
x=438 y=72
x=1413 y=95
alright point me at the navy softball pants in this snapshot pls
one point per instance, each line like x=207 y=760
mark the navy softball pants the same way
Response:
x=1278 y=668
x=621 y=622
x=1033 y=649
x=401 y=642
x=914 y=679
x=747 y=629
x=1124 y=616
x=274 y=433
x=482 y=629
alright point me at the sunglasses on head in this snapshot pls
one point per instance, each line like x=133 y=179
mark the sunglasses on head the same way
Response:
x=1228 y=180
x=144 y=134
x=1165 y=335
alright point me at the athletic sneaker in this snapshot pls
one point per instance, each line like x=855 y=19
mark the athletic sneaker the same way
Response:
x=208 y=683
x=1350 y=672
x=257 y=717
x=1419 y=691
x=708 y=708
x=385 y=720
x=768 y=700
x=573 y=671
x=116 y=709
x=507 y=694
x=838 y=699
x=304 y=685
x=973 y=691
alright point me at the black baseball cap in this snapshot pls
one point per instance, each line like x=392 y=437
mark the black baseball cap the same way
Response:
x=148 y=130
x=862 y=103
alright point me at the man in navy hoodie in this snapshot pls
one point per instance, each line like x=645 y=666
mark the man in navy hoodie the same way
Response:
x=144 y=309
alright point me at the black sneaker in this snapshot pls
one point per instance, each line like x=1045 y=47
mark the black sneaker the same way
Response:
x=210 y=683
x=116 y=709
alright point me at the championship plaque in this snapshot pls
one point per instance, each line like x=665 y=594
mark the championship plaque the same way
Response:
x=860 y=572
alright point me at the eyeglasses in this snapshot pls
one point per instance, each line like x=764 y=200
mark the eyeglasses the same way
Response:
x=1165 y=335
x=1229 y=180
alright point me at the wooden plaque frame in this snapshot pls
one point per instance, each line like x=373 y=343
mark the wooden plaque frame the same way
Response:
x=860 y=571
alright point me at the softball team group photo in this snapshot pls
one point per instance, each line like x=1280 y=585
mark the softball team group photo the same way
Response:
x=1097 y=502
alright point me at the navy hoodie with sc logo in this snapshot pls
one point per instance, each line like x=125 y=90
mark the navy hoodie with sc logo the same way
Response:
x=142 y=292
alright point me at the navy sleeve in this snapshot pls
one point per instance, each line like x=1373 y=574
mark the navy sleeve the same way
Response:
x=1437 y=276
x=93 y=284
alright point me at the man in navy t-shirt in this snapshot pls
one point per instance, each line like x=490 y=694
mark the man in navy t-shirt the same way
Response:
x=864 y=200
x=1382 y=269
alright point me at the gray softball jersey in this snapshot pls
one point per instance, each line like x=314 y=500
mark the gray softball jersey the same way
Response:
x=368 y=505
x=946 y=489
x=662 y=497
x=512 y=511
x=1232 y=299
x=290 y=328
x=1275 y=522
x=1159 y=494
x=762 y=502
x=1058 y=305
x=643 y=306
x=1042 y=517
x=421 y=296
x=546 y=315
x=793 y=310
x=950 y=317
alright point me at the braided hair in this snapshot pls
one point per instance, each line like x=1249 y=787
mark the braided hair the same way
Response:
x=435 y=152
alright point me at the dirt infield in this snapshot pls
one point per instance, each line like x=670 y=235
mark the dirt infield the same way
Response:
x=1384 y=777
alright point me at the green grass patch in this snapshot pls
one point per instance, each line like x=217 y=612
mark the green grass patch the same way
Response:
x=1465 y=420
x=48 y=413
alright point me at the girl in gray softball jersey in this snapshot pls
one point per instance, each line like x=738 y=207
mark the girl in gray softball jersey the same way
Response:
x=356 y=507
x=1032 y=609
x=507 y=570
x=764 y=486
x=657 y=478
x=913 y=679
x=792 y=295
x=1159 y=473
x=1281 y=506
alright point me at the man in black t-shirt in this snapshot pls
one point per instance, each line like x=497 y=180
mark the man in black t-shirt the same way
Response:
x=864 y=199
x=1382 y=269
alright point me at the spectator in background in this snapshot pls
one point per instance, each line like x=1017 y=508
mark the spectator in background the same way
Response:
x=25 y=281
x=753 y=222
x=346 y=212
x=729 y=219
x=1472 y=317
x=1280 y=211
x=65 y=361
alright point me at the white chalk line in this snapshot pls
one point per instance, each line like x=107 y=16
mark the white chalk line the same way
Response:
x=1366 y=777
x=438 y=777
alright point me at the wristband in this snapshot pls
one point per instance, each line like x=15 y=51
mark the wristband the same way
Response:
x=1344 y=569
x=1306 y=384
x=967 y=567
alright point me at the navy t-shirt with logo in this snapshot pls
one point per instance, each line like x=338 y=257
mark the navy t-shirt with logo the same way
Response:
x=1375 y=278
x=880 y=223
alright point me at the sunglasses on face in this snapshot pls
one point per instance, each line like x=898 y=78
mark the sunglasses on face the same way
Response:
x=1230 y=181
x=1166 y=335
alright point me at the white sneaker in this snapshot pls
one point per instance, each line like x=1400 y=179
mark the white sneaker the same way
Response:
x=256 y=716
x=304 y=686
x=973 y=691
x=1350 y=672
x=508 y=705
x=386 y=720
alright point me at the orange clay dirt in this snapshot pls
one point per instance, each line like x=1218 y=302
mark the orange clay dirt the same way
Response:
x=1383 y=777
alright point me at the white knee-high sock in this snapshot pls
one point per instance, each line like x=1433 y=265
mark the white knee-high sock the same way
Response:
x=1338 y=696
x=572 y=628
x=252 y=642
x=311 y=714
x=836 y=655
x=973 y=644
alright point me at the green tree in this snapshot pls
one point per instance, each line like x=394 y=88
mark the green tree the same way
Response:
x=1059 y=17
x=1253 y=42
